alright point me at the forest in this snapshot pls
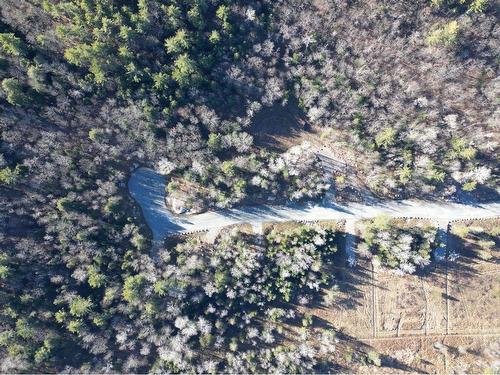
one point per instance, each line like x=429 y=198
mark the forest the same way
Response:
x=92 y=89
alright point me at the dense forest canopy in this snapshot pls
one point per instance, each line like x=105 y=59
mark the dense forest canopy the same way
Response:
x=91 y=89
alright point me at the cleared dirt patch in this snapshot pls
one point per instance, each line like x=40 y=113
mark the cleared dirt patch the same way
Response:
x=337 y=225
x=436 y=354
x=280 y=226
x=411 y=304
x=475 y=302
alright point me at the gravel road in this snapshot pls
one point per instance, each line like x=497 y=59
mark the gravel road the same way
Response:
x=148 y=188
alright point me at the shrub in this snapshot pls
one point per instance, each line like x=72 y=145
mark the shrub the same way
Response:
x=96 y=134
x=95 y=278
x=15 y=92
x=185 y=71
x=473 y=6
x=74 y=326
x=9 y=176
x=65 y=204
x=177 y=43
x=404 y=174
x=477 y=6
x=444 y=35
x=485 y=254
x=139 y=241
x=112 y=205
x=133 y=287
x=374 y=358
x=461 y=231
x=12 y=45
x=469 y=186
x=80 y=306
x=386 y=138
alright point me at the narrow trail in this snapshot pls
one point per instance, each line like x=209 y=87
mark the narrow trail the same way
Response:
x=433 y=335
x=441 y=252
x=350 y=242
x=374 y=302
x=148 y=188
x=447 y=285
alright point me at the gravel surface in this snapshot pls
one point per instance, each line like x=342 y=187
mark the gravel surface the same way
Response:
x=148 y=188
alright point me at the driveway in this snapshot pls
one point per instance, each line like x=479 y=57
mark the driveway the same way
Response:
x=148 y=188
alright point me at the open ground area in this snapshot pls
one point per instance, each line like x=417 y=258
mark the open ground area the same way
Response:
x=443 y=320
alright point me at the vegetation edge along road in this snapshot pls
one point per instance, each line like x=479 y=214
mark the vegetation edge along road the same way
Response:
x=147 y=187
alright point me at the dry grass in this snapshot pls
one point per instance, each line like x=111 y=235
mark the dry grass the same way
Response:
x=410 y=304
x=477 y=241
x=438 y=354
x=475 y=276
x=475 y=302
x=280 y=226
x=351 y=311
x=410 y=314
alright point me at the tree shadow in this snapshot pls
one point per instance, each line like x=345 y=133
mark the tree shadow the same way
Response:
x=482 y=194
x=148 y=189
x=360 y=349
x=349 y=279
x=440 y=266
x=346 y=343
x=270 y=123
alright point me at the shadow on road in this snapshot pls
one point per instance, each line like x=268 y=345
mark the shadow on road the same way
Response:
x=148 y=189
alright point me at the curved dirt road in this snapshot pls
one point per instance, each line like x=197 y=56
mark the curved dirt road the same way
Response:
x=148 y=188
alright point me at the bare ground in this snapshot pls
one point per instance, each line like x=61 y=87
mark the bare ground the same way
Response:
x=444 y=320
